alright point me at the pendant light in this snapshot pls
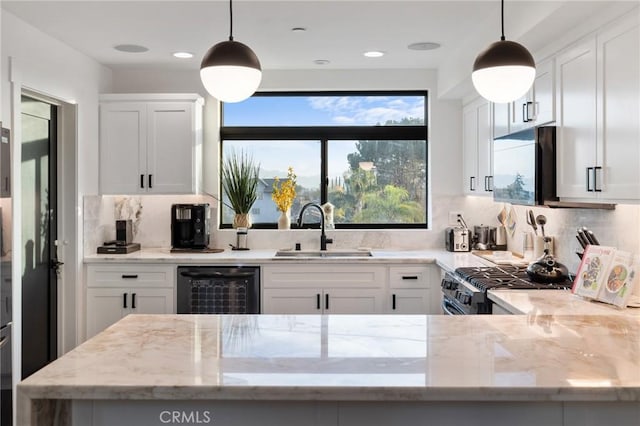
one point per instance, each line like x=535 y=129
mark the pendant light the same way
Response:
x=504 y=71
x=230 y=70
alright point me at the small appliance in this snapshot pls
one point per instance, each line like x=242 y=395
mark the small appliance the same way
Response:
x=190 y=226
x=489 y=238
x=124 y=232
x=457 y=239
x=524 y=167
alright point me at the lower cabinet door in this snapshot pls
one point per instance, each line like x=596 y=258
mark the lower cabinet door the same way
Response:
x=410 y=301
x=105 y=306
x=151 y=301
x=353 y=301
x=292 y=301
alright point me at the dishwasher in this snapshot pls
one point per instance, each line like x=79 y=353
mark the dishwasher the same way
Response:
x=218 y=290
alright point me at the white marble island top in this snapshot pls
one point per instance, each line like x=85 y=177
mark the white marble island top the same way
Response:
x=351 y=358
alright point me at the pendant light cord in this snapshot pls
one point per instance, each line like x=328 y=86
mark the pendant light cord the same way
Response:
x=231 y=21
x=502 y=18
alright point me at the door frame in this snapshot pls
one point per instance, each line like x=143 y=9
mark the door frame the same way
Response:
x=69 y=213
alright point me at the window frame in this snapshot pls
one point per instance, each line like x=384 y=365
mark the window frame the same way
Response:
x=324 y=134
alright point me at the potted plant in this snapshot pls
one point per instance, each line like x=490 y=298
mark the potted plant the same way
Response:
x=240 y=183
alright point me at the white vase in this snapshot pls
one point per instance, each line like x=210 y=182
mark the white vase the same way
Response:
x=284 y=221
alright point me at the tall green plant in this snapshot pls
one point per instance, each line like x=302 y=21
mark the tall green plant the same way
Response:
x=240 y=181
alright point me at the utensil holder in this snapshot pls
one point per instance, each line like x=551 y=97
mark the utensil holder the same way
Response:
x=538 y=246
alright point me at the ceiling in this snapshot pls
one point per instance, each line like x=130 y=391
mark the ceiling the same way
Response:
x=337 y=31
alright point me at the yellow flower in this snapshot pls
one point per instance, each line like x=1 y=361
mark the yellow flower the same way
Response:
x=284 y=193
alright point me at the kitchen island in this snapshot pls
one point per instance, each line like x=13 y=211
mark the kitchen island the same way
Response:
x=344 y=370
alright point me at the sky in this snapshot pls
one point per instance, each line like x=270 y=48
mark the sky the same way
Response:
x=304 y=156
x=322 y=110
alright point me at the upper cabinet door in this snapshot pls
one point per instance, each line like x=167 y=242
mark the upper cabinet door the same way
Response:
x=543 y=94
x=618 y=152
x=485 y=149
x=171 y=148
x=123 y=135
x=501 y=118
x=470 y=149
x=150 y=144
x=576 y=119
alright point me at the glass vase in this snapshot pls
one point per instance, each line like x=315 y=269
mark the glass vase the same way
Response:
x=242 y=221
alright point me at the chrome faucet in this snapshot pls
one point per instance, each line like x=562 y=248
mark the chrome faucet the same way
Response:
x=323 y=237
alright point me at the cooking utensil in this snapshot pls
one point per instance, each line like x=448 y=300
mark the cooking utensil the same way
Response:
x=582 y=239
x=546 y=269
x=541 y=220
x=592 y=238
x=532 y=222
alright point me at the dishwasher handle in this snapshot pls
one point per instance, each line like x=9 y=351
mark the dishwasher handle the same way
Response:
x=216 y=274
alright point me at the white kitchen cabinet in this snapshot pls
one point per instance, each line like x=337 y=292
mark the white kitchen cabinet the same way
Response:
x=501 y=119
x=150 y=144
x=537 y=106
x=410 y=289
x=477 y=142
x=116 y=290
x=323 y=288
x=598 y=87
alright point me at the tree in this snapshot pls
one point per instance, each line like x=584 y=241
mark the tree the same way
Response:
x=391 y=205
x=401 y=163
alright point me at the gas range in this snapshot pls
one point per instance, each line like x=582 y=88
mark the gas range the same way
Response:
x=465 y=290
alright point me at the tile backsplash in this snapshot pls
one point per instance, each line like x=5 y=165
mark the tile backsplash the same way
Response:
x=152 y=223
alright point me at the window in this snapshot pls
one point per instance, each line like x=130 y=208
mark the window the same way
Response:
x=364 y=152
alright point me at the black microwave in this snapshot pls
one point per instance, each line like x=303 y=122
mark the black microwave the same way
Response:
x=524 y=167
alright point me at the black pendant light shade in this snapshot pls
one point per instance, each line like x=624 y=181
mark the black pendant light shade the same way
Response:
x=230 y=70
x=504 y=71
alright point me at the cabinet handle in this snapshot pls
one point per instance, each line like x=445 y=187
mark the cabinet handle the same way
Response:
x=133 y=301
x=129 y=277
x=409 y=277
x=326 y=301
x=142 y=181
x=524 y=113
x=150 y=181
x=490 y=183
x=318 y=301
x=589 y=170
x=595 y=179
x=124 y=300
x=472 y=183
x=393 y=302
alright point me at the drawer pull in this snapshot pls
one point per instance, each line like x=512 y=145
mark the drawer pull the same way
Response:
x=318 y=301
x=393 y=302
x=124 y=300
x=133 y=301
x=409 y=277
x=129 y=277
x=326 y=301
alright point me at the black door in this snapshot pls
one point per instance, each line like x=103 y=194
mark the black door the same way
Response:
x=39 y=233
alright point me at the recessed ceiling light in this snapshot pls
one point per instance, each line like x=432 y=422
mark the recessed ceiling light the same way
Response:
x=321 y=61
x=426 y=45
x=298 y=29
x=183 y=55
x=373 y=54
x=131 y=48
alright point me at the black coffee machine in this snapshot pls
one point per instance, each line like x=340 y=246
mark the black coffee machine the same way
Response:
x=190 y=226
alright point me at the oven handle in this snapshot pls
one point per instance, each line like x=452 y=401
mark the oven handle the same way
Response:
x=453 y=311
x=206 y=275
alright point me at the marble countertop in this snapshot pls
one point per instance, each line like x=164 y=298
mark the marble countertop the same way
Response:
x=351 y=357
x=444 y=259
x=554 y=302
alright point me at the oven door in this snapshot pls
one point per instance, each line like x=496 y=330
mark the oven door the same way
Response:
x=450 y=308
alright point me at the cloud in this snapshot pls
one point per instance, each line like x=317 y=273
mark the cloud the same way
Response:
x=368 y=110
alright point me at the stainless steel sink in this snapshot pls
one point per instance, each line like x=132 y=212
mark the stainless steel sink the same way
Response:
x=289 y=254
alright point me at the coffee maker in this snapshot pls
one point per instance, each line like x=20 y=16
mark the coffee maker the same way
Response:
x=190 y=226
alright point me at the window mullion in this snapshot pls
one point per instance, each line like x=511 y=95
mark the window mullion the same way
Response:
x=324 y=179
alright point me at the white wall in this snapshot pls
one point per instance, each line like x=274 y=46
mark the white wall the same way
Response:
x=34 y=61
